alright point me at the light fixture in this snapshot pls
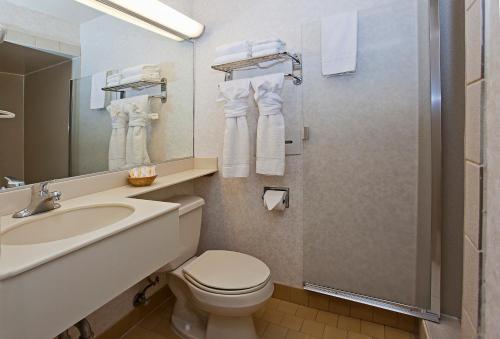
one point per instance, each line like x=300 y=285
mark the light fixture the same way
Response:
x=152 y=15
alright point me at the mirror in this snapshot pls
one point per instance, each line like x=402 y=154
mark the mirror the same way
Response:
x=57 y=121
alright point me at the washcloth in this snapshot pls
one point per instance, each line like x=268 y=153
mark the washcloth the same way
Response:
x=97 y=95
x=232 y=57
x=233 y=48
x=236 y=154
x=339 y=43
x=119 y=120
x=136 y=147
x=140 y=69
x=271 y=124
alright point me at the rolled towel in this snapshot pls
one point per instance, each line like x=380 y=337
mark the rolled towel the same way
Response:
x=232 y=57
x=267 y=52
x=140 y=77
x=270 y=45
x=140 y=69
x=233 y=48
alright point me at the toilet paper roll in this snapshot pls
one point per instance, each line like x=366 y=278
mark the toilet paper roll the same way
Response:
x=274 y=200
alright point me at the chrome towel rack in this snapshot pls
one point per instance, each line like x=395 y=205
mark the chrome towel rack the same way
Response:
x=140 y=85
x=255 y=63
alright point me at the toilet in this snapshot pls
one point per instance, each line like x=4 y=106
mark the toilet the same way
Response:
x=217 y=292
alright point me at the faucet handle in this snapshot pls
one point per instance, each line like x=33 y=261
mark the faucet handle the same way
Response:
x=40 y=188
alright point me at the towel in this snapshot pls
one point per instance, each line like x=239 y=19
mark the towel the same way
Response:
x=339 y=43
x=233 y=48
x=236 y=153
x=269 y=45
x=140 y=69
x=97 y=95
x=232 y=57
x=268 y=41
x=113 y=79
x=267 y=52
x=271 y=124
x=140 y=77
x=136 y=147
x=119 y=120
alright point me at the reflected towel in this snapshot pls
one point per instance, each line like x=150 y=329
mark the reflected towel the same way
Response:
x=232 y=57
x=271 y=124
x=119 y=120
x=233 y=48
x=140 y=69
x=236 y=154
x=269 y=45
x=136 y=147
x=97 y=95
x=141 y=77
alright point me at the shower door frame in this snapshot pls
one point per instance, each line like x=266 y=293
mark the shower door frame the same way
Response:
x=434 y=311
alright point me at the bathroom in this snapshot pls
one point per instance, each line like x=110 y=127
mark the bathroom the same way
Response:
x=249 y=169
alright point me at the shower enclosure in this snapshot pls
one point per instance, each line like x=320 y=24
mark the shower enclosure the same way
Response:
x=372 y=163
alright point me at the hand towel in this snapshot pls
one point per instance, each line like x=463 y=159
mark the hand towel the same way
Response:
x=136 y=152
x=140 y=77
x=232 y=57
x=236 y=153
x=269 y=45
x=339 y=43
x=97 y=95
x=119 y=120
x=140 y=69
x=233 y=48
x=267 y=52
x=271 y=124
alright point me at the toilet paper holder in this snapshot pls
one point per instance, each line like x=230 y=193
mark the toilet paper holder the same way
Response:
x=286 y=198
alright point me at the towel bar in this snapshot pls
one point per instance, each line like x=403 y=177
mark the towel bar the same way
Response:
x=140 y=85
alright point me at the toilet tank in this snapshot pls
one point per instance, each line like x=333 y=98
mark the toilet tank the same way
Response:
x=189 y=228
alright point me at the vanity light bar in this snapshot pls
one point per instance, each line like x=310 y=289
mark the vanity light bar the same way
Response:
x=152 y=15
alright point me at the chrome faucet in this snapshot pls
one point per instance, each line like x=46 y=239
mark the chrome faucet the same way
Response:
x=41 y=201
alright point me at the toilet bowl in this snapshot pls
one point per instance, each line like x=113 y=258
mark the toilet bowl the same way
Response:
x=217 y=292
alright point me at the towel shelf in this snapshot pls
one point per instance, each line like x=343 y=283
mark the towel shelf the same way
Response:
x=140 y=85
x=255 y=63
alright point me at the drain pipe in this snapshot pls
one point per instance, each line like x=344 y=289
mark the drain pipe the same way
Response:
x=85 y=329
x=64 y=335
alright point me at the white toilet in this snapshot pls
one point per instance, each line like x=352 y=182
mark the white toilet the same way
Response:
x=218 y=291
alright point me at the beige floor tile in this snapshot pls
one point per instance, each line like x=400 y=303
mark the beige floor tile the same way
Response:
x=273 y=316
x=385 y=317
x=372 y=329
x=287 y=307
x=292 y=322
x=273 y=304
x=260 y=325
x=361 y=311
x=334 y=333
x=407 y=323
x=354 y=335
x=339 y=306
x=313 y=328
x=165 y=330
x=161 y=314
x=282 y=292
x=296 y=335
x=306 y=313
x=327 y=318
x=350 y=324
x=260 y=313
x=274 y=331
x=141 y=333
x=319 y=301
x=394 y=333
x=299 y=296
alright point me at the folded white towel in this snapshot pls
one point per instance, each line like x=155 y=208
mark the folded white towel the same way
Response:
x=232 y=57
x=267 y=41
x=267 y=52
x=236 y=154
x=270 y=45
x=339 y=43
x=97 y=95
x=140 y=69
x=140 y=77
x=233 y=48
x=271 y=124
x=117 y=142
x=136 y=152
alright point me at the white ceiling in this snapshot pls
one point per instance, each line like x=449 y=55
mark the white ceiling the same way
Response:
x=67 y=10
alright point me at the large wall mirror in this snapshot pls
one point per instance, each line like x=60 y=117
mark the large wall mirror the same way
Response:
x=56 y=121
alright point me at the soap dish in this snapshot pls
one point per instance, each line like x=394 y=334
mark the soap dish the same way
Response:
x=141 y=181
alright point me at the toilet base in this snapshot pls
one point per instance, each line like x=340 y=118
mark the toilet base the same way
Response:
x=186 y=322
x=220 y=327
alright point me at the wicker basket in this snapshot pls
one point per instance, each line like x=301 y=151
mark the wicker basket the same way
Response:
x=141 y=182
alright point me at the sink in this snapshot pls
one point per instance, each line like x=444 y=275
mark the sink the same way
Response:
x=61 y=225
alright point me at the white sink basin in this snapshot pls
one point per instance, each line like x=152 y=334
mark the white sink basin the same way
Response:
x=60 y=225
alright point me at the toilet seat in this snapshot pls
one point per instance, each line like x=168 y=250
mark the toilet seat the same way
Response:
x=227 y=273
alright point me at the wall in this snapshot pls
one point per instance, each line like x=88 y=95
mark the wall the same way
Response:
x=47 y=102
x=12 y=130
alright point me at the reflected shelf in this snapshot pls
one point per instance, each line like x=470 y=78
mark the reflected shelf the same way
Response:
x=140 y=85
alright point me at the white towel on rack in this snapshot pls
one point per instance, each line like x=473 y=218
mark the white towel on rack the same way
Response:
x=138 y=114
x=271 y=124
x=236 y=154
x=140 y=69
x=97 y=95
x=119 y=120
x=140 y=77
x=232 y=57
x=339 y=43
x=267 y=52
x=233 y=48
x=270 y=45
x=268 y=41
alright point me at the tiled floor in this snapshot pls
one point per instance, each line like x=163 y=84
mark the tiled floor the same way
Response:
x=281 y=320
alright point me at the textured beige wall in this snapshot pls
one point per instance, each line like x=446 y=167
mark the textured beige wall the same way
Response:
x=12 y=130
x=47 y=104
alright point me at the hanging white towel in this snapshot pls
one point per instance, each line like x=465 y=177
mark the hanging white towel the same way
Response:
x=97 y=95
x=119 y=120
x=339 y=43
x=271 y=124
x=236 y=154
x=136 y=149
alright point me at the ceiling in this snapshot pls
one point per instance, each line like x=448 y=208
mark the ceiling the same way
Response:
x=23 y=60
x=67 y=10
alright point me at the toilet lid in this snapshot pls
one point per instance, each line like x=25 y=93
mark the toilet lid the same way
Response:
x=227 y=270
